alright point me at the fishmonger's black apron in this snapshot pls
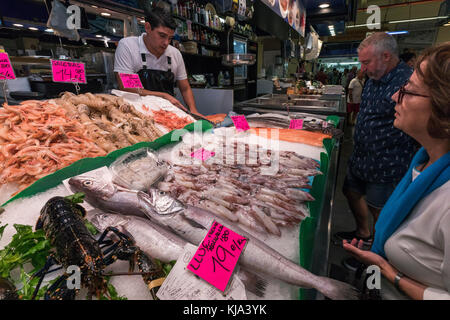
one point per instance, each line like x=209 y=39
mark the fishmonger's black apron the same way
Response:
x=157 y=80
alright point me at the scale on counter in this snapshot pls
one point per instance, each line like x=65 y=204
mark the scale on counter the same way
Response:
x=236 y=59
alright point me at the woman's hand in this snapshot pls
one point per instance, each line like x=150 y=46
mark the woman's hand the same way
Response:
x=366 y=257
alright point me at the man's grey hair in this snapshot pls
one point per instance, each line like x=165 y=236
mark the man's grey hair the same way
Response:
x=381 y=42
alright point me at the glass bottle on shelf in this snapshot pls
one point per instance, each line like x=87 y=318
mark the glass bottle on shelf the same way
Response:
x=194 y=10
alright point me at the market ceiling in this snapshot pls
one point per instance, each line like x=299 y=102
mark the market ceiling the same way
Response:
x=396 y=15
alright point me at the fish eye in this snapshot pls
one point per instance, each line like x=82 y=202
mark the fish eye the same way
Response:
x=162 y=193
x=87 y=183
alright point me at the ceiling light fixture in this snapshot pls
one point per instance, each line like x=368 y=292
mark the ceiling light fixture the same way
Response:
x=105 y=14
x=18 y=25
x=94 y=7
x=99 y=36
x=48 y=30
x=33 y=28
x=419 y=19
x=392 y=33
x=142 y=21
x=324 y=5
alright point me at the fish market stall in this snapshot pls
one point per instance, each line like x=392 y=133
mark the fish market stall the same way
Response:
x=283 y=230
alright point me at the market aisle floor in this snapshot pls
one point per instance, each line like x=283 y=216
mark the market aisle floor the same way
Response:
x=342 y=218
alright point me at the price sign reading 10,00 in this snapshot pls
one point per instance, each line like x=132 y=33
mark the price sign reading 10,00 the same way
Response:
x=217 y=256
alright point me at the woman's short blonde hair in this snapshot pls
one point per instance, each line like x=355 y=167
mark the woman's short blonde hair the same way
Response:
x=436 y=77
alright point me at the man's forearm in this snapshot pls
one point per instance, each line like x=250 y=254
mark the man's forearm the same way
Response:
x=188 y=97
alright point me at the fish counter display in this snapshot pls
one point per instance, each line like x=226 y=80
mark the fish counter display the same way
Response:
x=152 y=203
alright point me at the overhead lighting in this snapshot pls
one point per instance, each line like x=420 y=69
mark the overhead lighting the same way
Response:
x=48 y=30
x=447 y=24
x=324 y=5
x=33 y=28
x=142 y=21
x=419 y=19
x=98 y=35
x=18 y=25
x=94 y=7
x=392 y=33
x=362 y=25
x=105 y=14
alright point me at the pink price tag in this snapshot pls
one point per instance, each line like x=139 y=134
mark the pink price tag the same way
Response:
x=240 y=123
x=202 y=154
x=6 y=70
x=67 y=71
x=217 y=256
x=131 y=80
x=296 y=124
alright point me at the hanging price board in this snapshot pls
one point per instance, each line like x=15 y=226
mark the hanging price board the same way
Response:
x=131 y=80
x=217 y=256
x=202 y=154
x=6 y=70
x=240 y=123
x=296 y=124
x=67 y=71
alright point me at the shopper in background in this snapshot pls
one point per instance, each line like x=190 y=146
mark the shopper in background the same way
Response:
x=412 y=239
x=352 y=74
x=381 y=153
x=344 y=79
x=409 y=58
x=158 y=64
x=333 y=77
x=322 y=76
x=355 y=89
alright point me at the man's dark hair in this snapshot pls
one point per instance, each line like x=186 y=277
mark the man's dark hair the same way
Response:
x=159 y=17
x=407 y=56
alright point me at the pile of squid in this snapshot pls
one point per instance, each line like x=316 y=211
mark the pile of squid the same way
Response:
x=240 y=184
x=38 y=138
x=110 y=121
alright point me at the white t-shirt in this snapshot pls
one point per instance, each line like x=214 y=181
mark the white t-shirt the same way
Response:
x=420 y=247
x=128 y=58
x=357 y=87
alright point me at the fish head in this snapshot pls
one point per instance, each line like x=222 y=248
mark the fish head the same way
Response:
x=93 y=187
x=104 y=220
x=162 y=203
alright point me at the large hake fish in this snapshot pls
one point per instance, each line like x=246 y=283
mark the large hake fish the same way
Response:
x=162 y=244
x=192 y=224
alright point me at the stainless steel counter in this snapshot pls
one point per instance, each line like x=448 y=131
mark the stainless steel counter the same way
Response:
x=315 y=104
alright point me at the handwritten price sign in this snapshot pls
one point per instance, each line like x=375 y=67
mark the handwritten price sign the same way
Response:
x=6 y=70
x=67 y=71
x=217 y=256
x=202 y=154
x=296 y=124
x=240 y=123
x=131 y=80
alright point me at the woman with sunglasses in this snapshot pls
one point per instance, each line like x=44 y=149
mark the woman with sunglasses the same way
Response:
x=412 y=235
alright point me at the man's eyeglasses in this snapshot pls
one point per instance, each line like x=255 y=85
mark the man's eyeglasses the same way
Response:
x=402 y=92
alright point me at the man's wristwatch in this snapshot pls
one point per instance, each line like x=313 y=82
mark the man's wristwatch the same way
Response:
x=397 y=278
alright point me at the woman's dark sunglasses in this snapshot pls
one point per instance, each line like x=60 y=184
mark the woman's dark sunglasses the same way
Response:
x=402 y=92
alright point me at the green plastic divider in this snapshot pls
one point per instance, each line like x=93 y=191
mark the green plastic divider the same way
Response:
x=88 y=164
x=308 y=226
x=334 y=119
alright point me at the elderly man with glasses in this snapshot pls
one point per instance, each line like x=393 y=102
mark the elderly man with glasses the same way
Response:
x=381 y=152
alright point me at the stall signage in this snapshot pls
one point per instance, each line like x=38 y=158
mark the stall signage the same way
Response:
x=68 y=71
x=291 y=11
x=202 y=154
x=6 y=70
x=240 y=123
x=131 y=80
x=296 y=124
x=217 y=256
